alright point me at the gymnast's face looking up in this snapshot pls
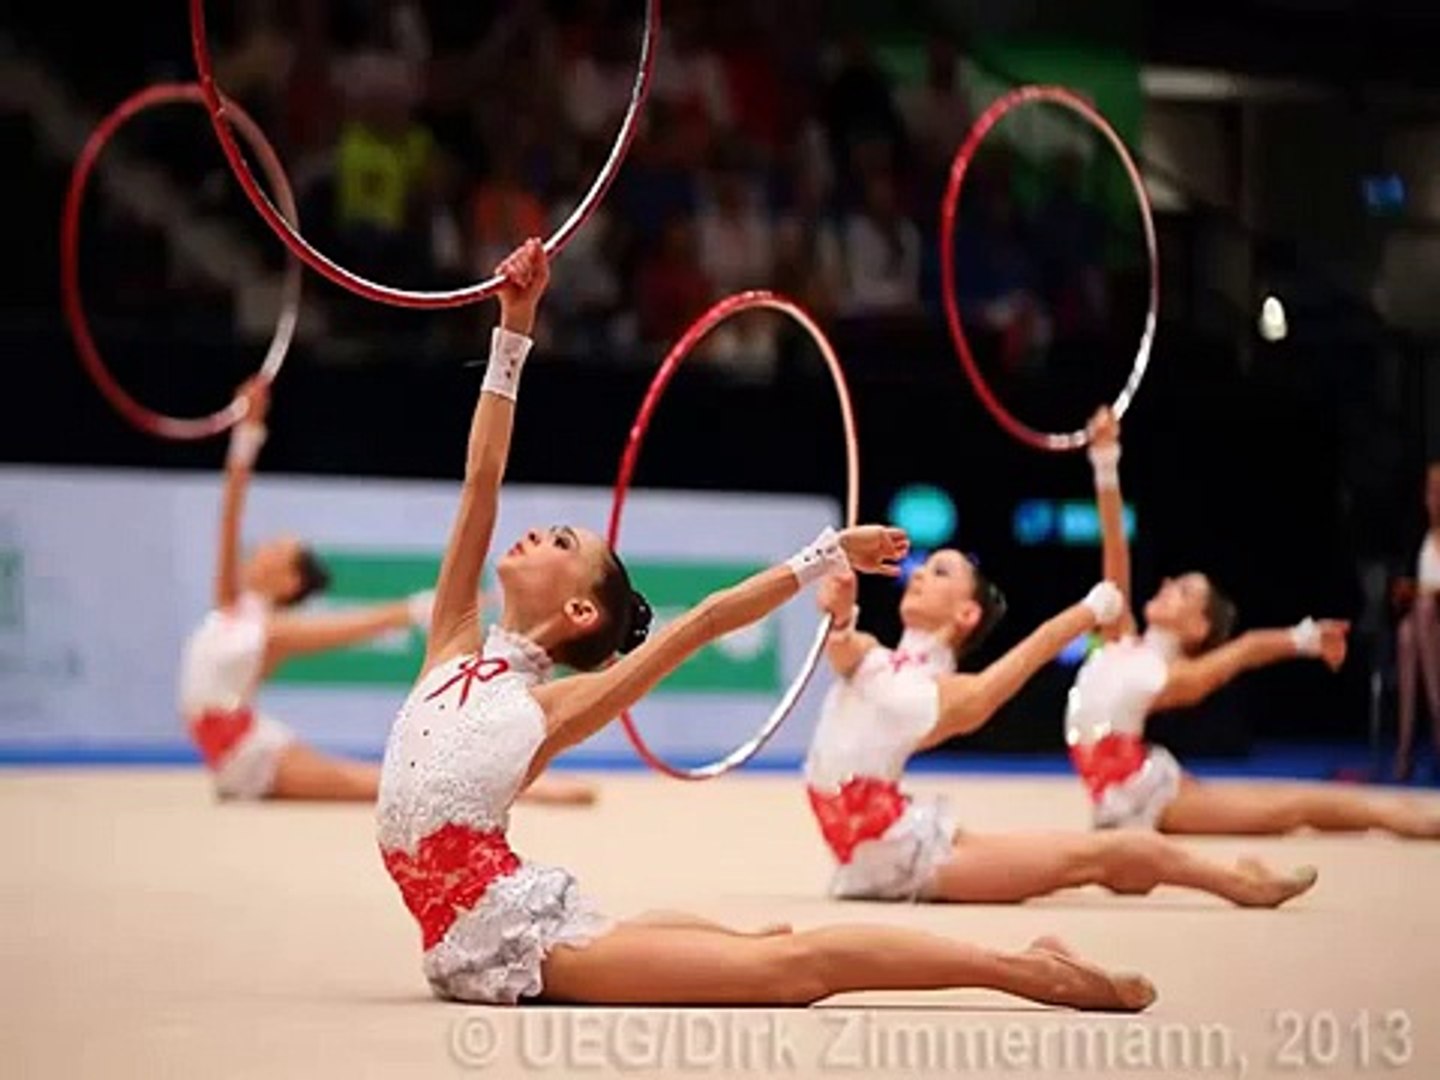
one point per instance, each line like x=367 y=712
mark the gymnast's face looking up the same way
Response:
x=566 y=589
x=1191 y=608
x=284 y=571
x=940 y=597
x=550 y=571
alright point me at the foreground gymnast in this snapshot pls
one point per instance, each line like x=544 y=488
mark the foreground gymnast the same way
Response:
x=1183 y=656
x=891 y=704
x=252 y=630
x=496 y=929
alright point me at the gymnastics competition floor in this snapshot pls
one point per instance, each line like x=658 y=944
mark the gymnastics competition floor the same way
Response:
x=148 y=932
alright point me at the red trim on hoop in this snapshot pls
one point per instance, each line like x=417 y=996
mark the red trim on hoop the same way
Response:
x=731 y=305
x=987 y=120
x=146 y=419
x=217 y=107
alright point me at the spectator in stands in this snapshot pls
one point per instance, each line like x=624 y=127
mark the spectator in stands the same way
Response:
x=597 y=82
x=997 y=283
x=671 y=289
x=764 y=110
x=504 y=212
x=736 y=251
x=384 y=170
x=936 y=110
x=255 y=69
x=689 y=75
x=1069 y=236
x=809 y=265
x=1419 y=632
x=734 y=231
x=312 y=101
x=882 y=254
x=859 y=108
x=658 y=181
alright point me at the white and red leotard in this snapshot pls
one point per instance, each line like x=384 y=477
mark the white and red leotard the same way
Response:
x=220 y=672
x=1130 y=782
x=887 y=844
x=456 y=759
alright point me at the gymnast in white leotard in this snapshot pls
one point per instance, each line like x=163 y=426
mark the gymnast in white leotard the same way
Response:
x=890 y=704
x=497 y=928
x=1186 y=653
x=254 y=628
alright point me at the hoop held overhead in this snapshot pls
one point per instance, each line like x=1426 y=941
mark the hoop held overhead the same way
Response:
x=949 y=207
x=216 y=105
x=143 y=417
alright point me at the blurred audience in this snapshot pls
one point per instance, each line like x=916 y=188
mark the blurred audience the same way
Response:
x=446 y=136
x=882 y=254
x=671 y=289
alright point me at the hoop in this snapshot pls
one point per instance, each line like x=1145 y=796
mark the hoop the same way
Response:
x=216 y=106
x=1057 y=95
x=146 y=419
x=731 y=305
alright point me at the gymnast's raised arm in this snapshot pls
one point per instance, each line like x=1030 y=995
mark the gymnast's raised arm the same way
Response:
x=455 y=620
x=1105 y=458
x=245 y=443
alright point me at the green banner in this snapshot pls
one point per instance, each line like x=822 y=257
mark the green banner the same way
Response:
x=744 y=662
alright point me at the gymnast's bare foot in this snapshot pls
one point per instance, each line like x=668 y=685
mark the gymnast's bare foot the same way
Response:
x=1270 y=889
x=1415 y=821
x=1061 y=977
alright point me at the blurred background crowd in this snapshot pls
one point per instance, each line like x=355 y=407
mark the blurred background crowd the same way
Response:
x=1279 y=440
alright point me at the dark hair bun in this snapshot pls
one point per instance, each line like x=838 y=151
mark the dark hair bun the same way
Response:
x=638 y=626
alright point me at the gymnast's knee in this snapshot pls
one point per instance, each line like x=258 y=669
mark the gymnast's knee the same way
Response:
x=1129 y=861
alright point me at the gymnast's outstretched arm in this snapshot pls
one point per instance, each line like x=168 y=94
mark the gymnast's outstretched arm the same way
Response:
x=245 y=443
x=455 y=620
x=1105 y=459
x=1192 y=679
x=967 y=702
x=578 y=706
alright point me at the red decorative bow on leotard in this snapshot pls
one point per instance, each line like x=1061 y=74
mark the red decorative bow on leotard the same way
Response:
x=472 y=670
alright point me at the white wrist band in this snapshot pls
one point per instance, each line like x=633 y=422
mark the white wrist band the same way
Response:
x=508 y=351
x=246 y=439
x=824 y=556
x=1105 y=460
x=1306 y=636
x=1106 y=602
x=421 y=605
